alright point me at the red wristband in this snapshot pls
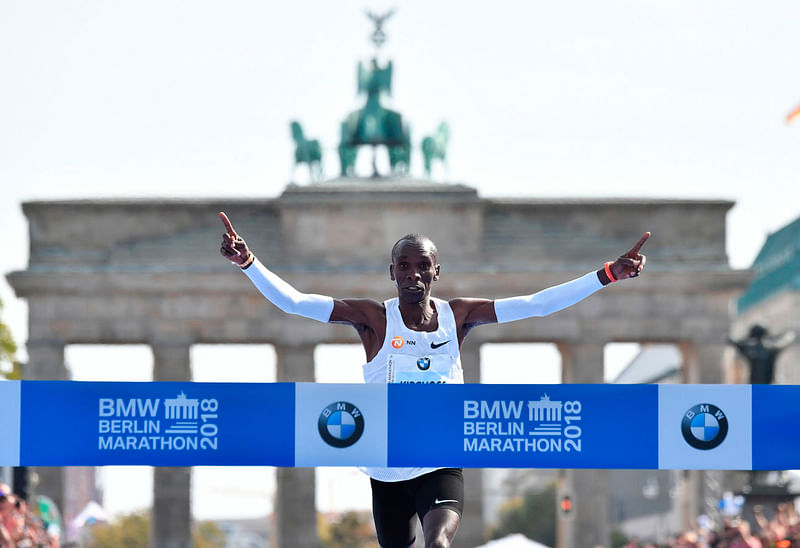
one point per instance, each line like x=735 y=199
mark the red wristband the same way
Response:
x=608 y=271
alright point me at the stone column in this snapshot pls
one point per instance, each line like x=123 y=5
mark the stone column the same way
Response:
x=172 y=486
x=46 y=362
x=703 y=363
x=589 y=523
x=295 y=500
x=472 y=531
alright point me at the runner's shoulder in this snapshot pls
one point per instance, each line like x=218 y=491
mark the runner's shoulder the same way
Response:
x=363 y=311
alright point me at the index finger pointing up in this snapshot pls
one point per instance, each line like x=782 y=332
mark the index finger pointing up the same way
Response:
x=228 y=226
x=635 y=249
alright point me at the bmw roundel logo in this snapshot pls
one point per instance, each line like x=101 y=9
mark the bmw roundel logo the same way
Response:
x=341 y=424
x=424 y=364
x=704 y=426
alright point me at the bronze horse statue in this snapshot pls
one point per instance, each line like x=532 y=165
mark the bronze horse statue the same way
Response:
x=307 y=151
x=434 y=147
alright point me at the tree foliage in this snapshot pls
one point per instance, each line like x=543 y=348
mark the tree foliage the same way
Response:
x=533 y=515
x=351 y=530
x=133 y=531
x=128 y=531
x=8 y=348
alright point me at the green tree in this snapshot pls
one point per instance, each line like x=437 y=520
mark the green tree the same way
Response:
x=133 y=531
x=618 y=539
x=128 y=531
x=8 y=350
x=351 y=530
x=533 y=515
x=206 y=534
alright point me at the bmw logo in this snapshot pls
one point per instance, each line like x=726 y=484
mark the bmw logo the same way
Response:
x=424 y=364
x=341 y=424
x=704 y=426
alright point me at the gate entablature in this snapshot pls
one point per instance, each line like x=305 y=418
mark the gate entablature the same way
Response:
x=103 y=271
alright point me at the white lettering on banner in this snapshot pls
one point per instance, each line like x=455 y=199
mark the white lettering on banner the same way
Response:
x=518 y=445
x=497 y=409
x=494 y=428
x=129 y=408
x=128 y=426
x=133 y=424
x=552 y=426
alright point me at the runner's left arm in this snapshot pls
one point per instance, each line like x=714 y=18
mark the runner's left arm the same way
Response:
x=552 y=299
x=562 y=296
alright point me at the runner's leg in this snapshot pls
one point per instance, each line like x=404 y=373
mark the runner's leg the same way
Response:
x=394 y=514
x=440 y=501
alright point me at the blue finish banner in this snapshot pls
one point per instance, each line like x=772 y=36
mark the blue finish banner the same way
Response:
x=64 y=423
x=159 y=423
x=531 y=426
x=776 y=445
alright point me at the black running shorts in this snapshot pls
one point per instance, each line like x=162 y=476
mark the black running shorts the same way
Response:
x=396 y=504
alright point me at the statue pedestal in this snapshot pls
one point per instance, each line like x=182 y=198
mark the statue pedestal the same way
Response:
x=357 y=220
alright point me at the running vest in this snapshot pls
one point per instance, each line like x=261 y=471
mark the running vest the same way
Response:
x=414 y=357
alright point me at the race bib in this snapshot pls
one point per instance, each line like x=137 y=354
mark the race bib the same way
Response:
x=402 y=368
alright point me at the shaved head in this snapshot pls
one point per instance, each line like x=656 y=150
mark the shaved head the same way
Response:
x=415 y=239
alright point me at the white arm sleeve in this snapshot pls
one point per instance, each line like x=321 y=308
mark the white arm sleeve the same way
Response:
x=548 y=300
x=286 y=297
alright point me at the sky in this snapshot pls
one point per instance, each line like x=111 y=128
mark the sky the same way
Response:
x=179 y=99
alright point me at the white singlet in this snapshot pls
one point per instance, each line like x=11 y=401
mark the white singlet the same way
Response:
x=414 y=357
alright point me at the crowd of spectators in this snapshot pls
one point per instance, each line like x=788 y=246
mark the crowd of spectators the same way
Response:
x=780 y=531
x=20 y=527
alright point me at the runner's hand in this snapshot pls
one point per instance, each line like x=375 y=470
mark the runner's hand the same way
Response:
x=631 y=263
x=233 y=246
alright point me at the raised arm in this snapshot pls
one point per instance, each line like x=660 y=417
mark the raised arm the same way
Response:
x=365 y=315
x=275 y=289
x=472 y=312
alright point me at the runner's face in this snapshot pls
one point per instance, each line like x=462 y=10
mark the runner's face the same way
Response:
x=414 y=269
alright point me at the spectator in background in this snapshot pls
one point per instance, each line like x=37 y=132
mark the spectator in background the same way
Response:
x=11 y=524
x=19 y=526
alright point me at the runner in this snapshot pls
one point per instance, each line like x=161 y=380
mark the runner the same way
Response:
x=437 y=329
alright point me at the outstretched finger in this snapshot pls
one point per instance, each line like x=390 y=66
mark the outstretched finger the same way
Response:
x=635 y=249
x=228 y=226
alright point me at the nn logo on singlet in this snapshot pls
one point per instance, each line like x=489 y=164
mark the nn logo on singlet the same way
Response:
x=398 y=342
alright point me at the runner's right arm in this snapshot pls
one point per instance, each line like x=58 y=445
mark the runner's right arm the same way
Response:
x=356 y=312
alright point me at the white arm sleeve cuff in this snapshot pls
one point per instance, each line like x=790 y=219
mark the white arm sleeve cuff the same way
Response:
x=286 y=297
x=548 y=300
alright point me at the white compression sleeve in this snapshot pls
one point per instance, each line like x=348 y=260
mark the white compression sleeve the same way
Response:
x=286 y=297
x=548 y=300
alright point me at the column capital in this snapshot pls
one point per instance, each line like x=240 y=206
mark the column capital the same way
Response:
x=581 y=362
x=471 y=361
x=171 y=361
x=295 y=362
x=703 y=363
x=45 y=360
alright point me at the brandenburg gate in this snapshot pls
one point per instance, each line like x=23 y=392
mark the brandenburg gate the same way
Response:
x=149 y=272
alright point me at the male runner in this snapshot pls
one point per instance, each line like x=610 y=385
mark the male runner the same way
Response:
x=438 y=328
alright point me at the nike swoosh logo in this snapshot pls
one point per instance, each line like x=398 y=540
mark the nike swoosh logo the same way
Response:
x=437 y=501
x=437 y=345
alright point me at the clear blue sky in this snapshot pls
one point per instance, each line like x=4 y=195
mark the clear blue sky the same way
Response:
x=174 y=98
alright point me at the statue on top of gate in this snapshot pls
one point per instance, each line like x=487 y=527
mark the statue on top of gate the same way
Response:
x=373 y=124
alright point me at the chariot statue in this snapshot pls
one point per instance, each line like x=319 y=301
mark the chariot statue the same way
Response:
x=373 y=124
